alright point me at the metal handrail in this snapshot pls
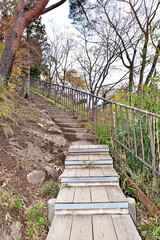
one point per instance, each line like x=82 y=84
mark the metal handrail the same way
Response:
x=127 y=126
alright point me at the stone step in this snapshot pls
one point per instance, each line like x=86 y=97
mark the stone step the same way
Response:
x=79 y=136
x=71 y=129
x=91 y=200
x=71 y=125
x=65 y=120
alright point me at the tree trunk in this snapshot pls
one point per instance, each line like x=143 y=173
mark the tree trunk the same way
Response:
x=9 y=52
x=130 y=83
x=26 y=86
x=153 y=67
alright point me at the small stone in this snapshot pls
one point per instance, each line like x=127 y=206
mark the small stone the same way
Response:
x=55 y=130
x=13 y=142
x=47 y=159
x=36 y=177
x=41 y=125
x=52 y=172
x=50 y=123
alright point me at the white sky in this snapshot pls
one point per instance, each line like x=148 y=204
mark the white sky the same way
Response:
x=57 y=17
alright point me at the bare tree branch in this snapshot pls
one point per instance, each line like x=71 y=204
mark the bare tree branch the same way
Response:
x=48 y=9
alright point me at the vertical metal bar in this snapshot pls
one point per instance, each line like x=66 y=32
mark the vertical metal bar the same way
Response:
x=122 y=124
x=134 y=132
x=112 y=119
x=87 y=108
x=129 y=145
x=68 y=98
x=75 y=97
x=116 y=121
x=95 y=121
x=100 y=118
x=106 y=123
x=93 y=106
x=153 y=150
x=72 y=103
x=84 y=104
x=142 y=144
x=90 y=107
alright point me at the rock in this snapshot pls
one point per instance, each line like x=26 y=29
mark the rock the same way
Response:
x=49 y=123
x=35 y=153
x=16 y=230
x=51 y=204
x=13 y=142
x=52 y=172
x=55 y=130
x=36 y=177
x=41 y=125
x=15 y=233
x=58 y=141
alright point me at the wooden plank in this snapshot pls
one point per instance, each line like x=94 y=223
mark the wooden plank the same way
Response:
x=82 y=195
x=82 y=172
x=82 y=157
x=69 y=172
x=115 y=194
x=110 y=171
x=102 y=146
x=83 y=146
x=105 y=156
x=103 y=228
x=99 y=194
x=96 y=172
x=94 y=157
x=60 y=228
x=92 y=146
x=66 y=195
x=81 y=228
x=125 y=228
x=74 y=147
x=71 y=158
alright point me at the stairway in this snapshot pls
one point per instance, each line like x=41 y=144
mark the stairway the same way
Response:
x=90 y=204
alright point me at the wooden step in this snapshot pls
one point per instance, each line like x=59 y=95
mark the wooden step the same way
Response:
x=91 y=200
x=88 y=149
x=88 y=161
x=93 y=227
x=90 y=176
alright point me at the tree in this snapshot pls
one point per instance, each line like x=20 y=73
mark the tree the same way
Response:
x=96 y=57
x=27 y=12
x=136 y=25
x=75 y=79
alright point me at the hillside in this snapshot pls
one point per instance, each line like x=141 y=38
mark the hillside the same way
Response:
x=29 y=141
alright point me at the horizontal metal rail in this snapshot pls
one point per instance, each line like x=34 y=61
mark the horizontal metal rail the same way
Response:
x=134 y=129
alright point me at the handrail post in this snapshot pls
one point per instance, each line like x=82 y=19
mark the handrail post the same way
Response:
x=93 y=107
x=72 y=103
x=55 y=94
x=95 y=121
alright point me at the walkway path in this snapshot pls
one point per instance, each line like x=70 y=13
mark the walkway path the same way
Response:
x=91 y=206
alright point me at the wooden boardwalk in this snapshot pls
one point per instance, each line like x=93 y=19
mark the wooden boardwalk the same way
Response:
x=90 y=204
